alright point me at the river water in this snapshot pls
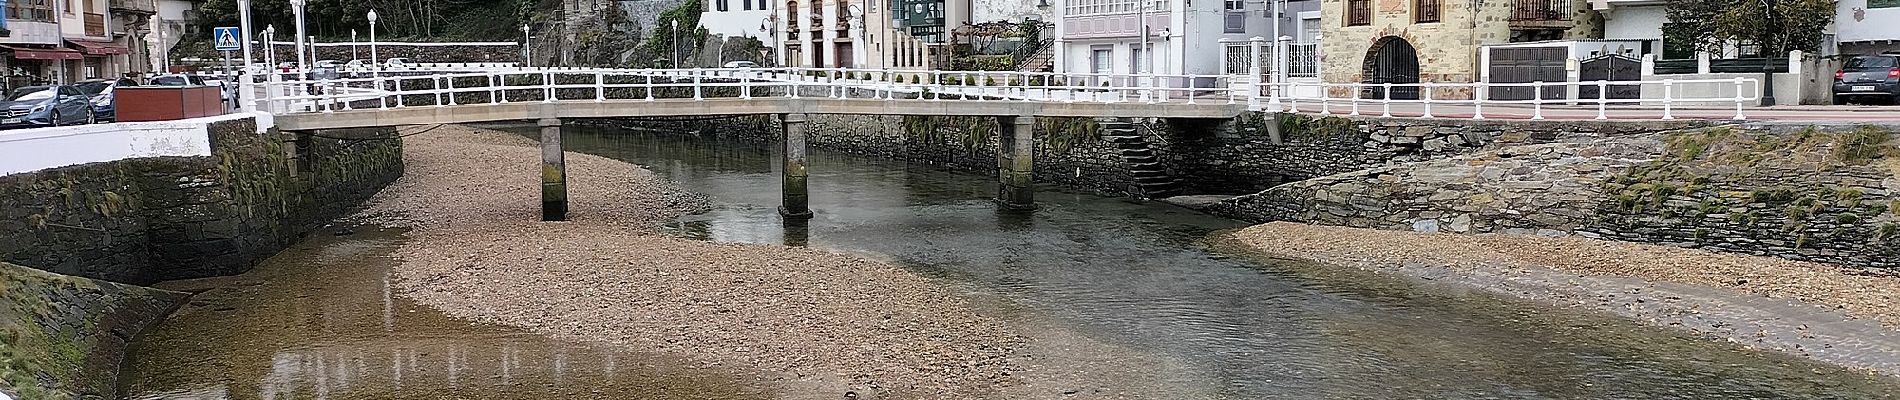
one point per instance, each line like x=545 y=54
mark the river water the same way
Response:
x=1117 y=298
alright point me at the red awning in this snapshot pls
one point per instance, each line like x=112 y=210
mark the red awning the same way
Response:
x=35 y=53
x=98 y=48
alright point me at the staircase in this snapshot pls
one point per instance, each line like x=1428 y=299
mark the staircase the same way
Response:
x=1150 y=177
x=1041 y=58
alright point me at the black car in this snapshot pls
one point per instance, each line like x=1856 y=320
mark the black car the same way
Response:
x=1867 y=79
x=46 y=106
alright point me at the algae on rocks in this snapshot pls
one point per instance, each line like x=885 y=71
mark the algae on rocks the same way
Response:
x=63 y=337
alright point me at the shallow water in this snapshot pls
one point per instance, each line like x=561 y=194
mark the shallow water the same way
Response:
x=319 y=321
x=1139 y=280
x=1117 y=299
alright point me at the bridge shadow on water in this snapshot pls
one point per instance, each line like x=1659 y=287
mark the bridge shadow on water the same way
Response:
x=1123 y=297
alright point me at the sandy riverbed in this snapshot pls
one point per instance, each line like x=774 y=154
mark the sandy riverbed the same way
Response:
x=818 y=324
x=1825 y=312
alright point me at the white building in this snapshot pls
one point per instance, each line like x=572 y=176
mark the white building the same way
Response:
x=168 y=28
x=739 y=18
x=843 y=34
x=1011 y=10
x=1867 y=26
x=1637 y=21
x=1183 y=37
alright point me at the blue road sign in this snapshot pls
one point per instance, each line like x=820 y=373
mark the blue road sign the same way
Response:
x=225 y=38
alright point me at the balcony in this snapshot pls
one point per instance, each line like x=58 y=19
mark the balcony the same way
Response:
x=133 y=6
x=1542 y=14
x=95 y=24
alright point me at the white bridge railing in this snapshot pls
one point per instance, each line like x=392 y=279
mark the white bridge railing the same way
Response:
x=481 y=84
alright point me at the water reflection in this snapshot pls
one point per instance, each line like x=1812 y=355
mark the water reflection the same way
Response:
x=320 y=321
x=1137 y=276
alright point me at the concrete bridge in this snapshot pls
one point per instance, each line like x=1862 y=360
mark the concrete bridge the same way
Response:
x=552 y=95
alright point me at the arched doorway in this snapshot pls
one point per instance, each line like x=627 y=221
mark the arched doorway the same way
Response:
x=1391 y=60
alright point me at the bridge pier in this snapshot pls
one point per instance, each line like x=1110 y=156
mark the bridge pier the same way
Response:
x=796 y=201
x=553 y=171
x=1016 y=163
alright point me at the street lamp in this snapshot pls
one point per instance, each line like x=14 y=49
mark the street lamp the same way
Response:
x=769 y=25
x=374 y=67
x=353 y=56
x=297 y=8
x=270 y=56
x=1768 y=51
x=857 y=42
x=676 y=43
x=244 y=29
x=527 y=51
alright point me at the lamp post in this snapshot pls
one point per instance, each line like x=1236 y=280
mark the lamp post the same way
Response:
x=1768 y=49
x=353 y=44
x=374 y=67
x=676 y=43
x=270 y=57
x=244 y=29
x=770 y=26
x=296 y=7
x=857 y=41
x=527 y=51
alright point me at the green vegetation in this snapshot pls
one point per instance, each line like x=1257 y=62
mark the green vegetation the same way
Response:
x=1741 y=177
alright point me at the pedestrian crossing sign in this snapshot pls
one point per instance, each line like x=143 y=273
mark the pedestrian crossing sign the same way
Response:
x=225 y=38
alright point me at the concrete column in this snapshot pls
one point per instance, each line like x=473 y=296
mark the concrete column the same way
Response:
x=796 y=201
x=553 y=172
x=1018 y=171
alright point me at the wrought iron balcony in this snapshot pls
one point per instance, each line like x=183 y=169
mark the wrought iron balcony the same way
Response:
x=1542 y=10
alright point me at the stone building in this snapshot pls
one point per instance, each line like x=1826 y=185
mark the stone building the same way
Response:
x=1409 y=41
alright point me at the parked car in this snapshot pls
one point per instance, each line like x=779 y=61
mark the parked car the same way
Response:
x=104 y=106
x=92 y=87
x=46 y=106
x=395 y=64
x=327 y=63
x=178 y=80
x=742 y=64
x=1865 y=79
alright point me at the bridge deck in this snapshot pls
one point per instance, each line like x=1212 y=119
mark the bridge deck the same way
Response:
x=617 y=108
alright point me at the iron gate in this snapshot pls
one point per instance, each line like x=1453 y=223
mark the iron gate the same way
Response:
x=1395 y=62
x=1527 y=65
x=1610 y=67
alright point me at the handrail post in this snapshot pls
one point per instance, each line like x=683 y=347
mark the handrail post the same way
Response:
x=600 y=86
x=497 y=88
x=1537 y=100
x=1427 y=88
x=1325 y=97
x=1385 y=100
x=697 y=94
x=1603 y=94
x=547 y=85
x=1356 y=89
x=1480 y=91
x=1739 y=98
x=649 y=82
x=450 y=80
x=435 y=85
x=397 y=83
x=797 y=77
x=1190 y=91
x=1668 y=86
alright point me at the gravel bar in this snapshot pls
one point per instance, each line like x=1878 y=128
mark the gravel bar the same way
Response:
x=1826 y=312
x=817 y=324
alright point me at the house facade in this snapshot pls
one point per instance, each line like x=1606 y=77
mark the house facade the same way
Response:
x=739 y=18
x=1867 y=26
x=1409 y=41
x=844 y=34
x=49 y=41
x=1182 y=37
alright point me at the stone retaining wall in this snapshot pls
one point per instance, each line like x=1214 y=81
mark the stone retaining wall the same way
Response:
x=150 y=219
x=65 y=336
x=1828 y=194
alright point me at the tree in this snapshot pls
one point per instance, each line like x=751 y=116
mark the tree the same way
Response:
x=1711 y=25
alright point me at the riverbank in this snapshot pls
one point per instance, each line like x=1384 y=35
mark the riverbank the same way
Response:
x=816 y=324
x=1820 y=311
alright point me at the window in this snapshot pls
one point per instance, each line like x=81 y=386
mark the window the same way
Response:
x=30 y=10
x=1425 y=10
x=1100 y=59
x=1358 y=12
x=720 y=4
x=1236 y=21
x=747 y=4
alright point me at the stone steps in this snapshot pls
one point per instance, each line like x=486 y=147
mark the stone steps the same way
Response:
x=1146 y=172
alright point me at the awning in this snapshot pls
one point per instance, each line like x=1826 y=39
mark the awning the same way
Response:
x=98 y=48
x=35 y=53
